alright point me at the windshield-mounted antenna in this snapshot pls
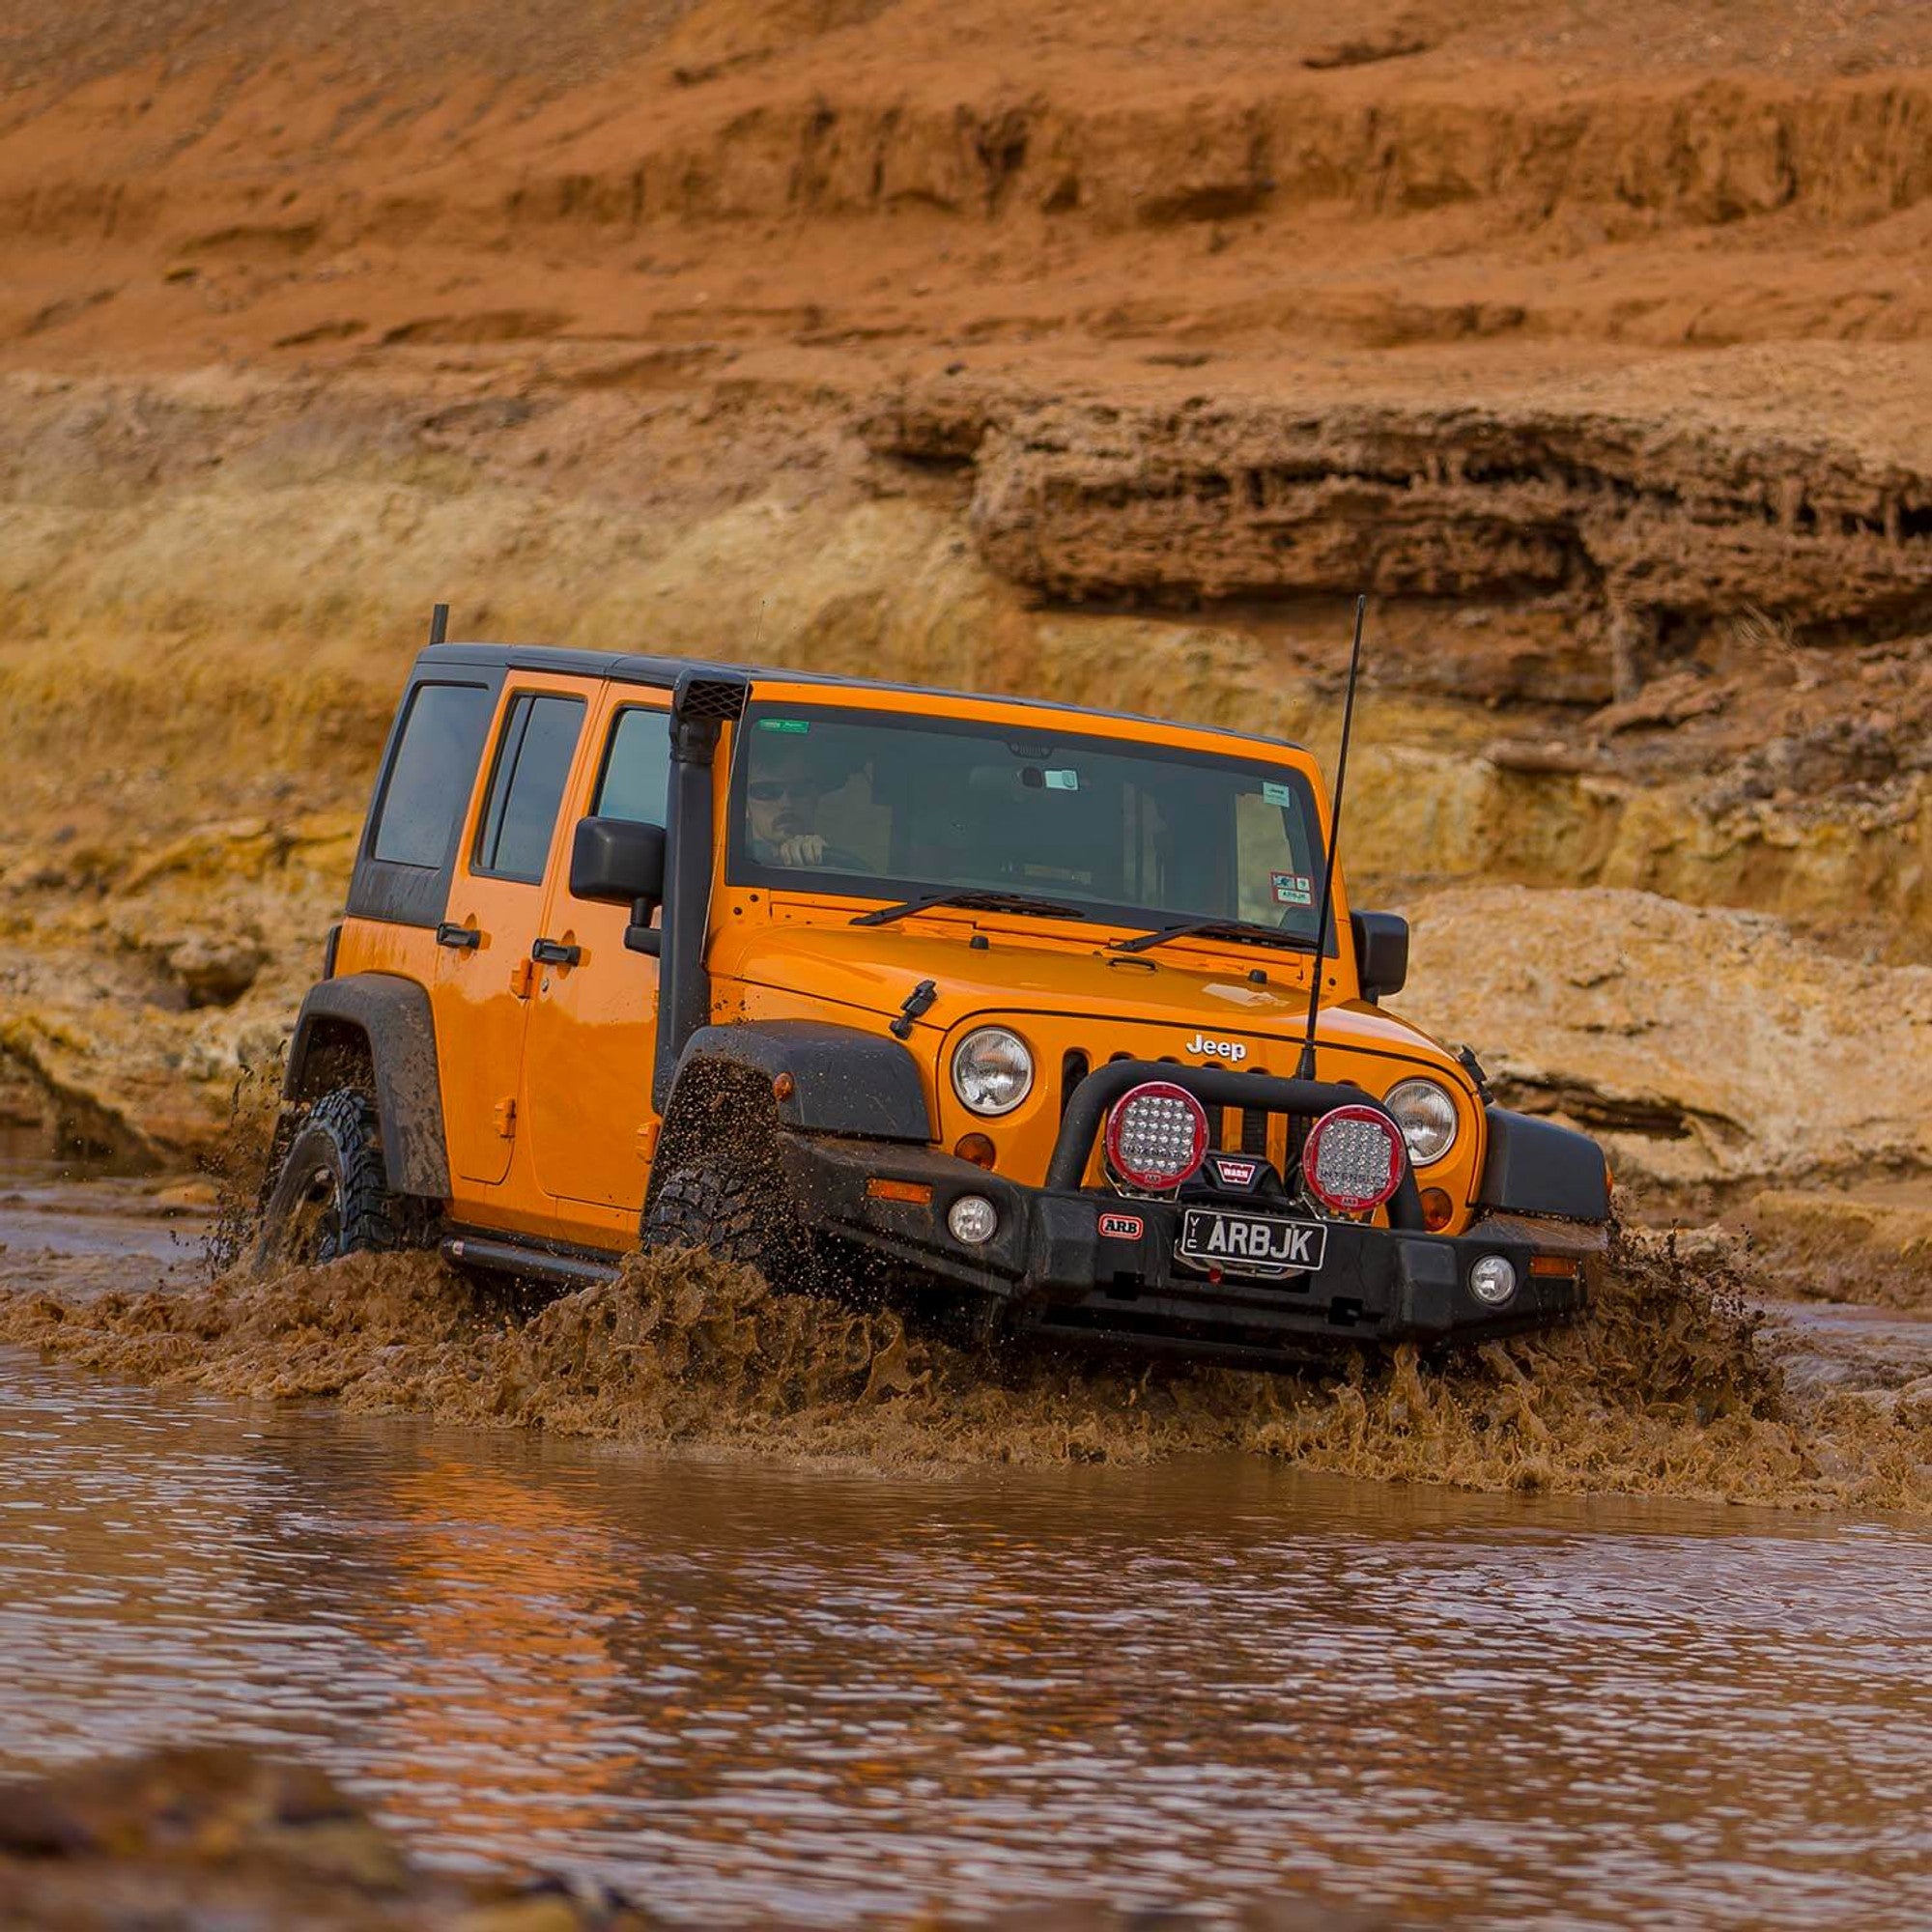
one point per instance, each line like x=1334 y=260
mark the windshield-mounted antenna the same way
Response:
x=1305 y=1068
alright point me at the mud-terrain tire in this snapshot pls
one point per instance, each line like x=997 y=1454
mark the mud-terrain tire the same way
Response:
x=330 y=1196
x=739 y=1210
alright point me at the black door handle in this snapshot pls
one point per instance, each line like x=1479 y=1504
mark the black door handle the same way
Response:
x=552 y=952
x=462 y=937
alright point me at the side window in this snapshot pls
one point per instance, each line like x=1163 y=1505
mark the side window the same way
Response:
x=637 y=768
x=432 y=774
x=526 y=786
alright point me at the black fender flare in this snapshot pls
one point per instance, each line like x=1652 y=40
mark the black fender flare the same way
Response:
x=1535 y=1167
x=393 y=1018
x=841 y=1081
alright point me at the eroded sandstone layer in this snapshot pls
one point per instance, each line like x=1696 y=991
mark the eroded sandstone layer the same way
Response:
x=1645 y=529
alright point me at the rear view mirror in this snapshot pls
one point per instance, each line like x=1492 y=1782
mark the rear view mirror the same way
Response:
x=1381 y=952
x=619 y=862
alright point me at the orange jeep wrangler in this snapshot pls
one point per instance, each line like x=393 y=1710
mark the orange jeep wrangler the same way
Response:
x=971 y=996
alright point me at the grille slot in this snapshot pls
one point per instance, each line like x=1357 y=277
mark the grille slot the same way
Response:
x=1074 y=1067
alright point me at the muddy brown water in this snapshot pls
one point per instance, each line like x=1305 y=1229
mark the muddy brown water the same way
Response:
x=745 y=1687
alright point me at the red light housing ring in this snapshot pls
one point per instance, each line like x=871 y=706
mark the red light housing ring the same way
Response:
x=1154 y=1179
x=1340 y=1199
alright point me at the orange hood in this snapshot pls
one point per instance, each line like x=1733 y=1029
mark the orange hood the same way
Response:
x=1185 y=991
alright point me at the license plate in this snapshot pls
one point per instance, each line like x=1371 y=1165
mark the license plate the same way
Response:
x=1249 y=1244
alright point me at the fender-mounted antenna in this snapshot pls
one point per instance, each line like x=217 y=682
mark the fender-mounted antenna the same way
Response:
x=1305 y=1068
x=438 y=623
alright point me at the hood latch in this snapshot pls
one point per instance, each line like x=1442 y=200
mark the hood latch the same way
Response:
x=915 y=1003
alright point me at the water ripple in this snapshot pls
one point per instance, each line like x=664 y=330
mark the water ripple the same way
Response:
x=738 y=1688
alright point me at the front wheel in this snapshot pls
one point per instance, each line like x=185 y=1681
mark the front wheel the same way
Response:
x=331 y=1195
x=739 y=1212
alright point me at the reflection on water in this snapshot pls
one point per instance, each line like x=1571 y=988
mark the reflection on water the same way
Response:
x=504 y=1597
x=735 y=1687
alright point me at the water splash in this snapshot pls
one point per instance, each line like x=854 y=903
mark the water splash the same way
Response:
x=1671 y=1386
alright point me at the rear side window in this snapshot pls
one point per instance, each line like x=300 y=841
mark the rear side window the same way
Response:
x=433 y=770
x=526 y=786
x=636 y=769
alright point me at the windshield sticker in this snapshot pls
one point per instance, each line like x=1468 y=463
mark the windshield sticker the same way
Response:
x=1293 y=889
x=1276 y=794
x=1062 y=781
x=798 y=726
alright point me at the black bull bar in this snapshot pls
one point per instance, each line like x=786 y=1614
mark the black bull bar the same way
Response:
x=1216 y=1087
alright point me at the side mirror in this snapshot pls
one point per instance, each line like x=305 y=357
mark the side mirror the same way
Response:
x=1381 y=952
x=618 y=862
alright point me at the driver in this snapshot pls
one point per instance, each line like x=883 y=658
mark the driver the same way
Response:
x=782 y=816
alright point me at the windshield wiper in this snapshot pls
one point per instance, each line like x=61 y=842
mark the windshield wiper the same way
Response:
x=970 y=898
x=1239 y=929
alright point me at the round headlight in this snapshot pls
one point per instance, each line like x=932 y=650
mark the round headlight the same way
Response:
x=992 y=1070
x=1426 y=1113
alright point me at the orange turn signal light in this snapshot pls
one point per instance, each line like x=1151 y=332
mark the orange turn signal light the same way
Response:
x=1552 y=1263
x=976 y=1147
x=915 y=1191
x=1437 y=1210
x=784 y=1087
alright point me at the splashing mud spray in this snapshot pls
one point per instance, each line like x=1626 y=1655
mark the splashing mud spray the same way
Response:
x=1671 y=1386
x=1675 y=1384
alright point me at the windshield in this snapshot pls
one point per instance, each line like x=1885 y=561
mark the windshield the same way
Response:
x=897 y=807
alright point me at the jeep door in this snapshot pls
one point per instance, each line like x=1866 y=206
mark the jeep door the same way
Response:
x=485 y=971
x=593 y=1022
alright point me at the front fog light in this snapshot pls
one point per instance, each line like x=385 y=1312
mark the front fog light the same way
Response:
x=973 y=1219
x=1493 y=1280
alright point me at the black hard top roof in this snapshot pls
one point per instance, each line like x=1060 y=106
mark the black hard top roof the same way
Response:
x=633 y=667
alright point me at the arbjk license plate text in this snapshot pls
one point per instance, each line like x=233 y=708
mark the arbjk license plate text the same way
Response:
x=1250 y=1243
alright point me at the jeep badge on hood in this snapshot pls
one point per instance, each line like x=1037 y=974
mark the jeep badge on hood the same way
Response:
x=1231 y=1050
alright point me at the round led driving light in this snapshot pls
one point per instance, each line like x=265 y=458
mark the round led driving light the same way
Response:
x=992 y=1070
x=1353 y=1161
x=1493 y=1280
x=1156 y=1136
x=1426 y=1113
x=973 y=1219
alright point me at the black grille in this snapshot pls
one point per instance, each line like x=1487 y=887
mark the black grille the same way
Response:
x=1252 y=1130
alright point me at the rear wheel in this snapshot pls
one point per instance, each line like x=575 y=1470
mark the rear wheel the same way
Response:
x=330 y=1196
